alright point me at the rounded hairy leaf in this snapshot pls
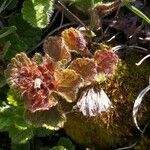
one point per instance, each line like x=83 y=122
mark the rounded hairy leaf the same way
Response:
x=85 y=67
x=51 y=119
x=34 y=81
x=106 y=62
x=69 y=82
x=75 y=40
x=37 y=12
x=56 y=48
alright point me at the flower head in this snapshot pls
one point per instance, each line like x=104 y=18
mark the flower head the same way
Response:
x=93 y=101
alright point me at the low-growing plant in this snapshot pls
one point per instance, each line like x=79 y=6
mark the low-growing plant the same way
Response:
x=72 y=82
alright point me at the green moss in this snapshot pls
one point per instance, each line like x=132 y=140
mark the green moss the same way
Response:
x=114 y=128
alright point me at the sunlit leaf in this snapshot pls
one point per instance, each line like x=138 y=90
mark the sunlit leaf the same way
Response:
x=34 y=81
x=106 y=62
x=69 y=82
x=75 y=40
x=51 y=119
x=37 y=12
x=56 y=48
x=85 y=67
x=11 y=100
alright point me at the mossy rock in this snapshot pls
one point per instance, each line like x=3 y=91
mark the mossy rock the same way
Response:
x=114 y=128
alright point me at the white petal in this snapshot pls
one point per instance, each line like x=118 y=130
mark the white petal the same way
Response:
x=93 y=102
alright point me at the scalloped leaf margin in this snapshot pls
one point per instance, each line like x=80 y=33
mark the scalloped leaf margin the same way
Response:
x=37 y=12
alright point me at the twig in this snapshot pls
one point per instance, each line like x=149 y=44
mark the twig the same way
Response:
x=70 y=15
x=53 y=20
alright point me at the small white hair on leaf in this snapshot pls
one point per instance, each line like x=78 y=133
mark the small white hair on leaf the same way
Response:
x=92 y=102
x=137 y=104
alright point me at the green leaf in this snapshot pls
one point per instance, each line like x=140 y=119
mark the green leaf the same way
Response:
x=65 y=142
x=12 y=121
x=25 y=31
x=12 y=4
x=37 y=12
x=25 y=146
x=4 y=48
x=20 y=136
x=5 y=32
x=2 y=81
x=6 y=117
x=8 y=4
x=16 y=46
x=42 y=132
x=14 y=98
x=11 y=100
x=51 y=119
x=136 y=11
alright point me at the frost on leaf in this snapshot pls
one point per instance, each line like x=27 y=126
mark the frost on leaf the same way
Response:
x=93 y=101
x=69 y=82
x=51 y=119
x=106 y=62
x=56 y=48
x=75 y=40
x=85 y=67
x=35 y=82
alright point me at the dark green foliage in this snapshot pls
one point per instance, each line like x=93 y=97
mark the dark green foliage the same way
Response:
x=25 y=31
x=65 y=142
x=16 y=44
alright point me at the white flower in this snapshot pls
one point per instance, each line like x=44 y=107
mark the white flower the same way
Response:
x=93 y=101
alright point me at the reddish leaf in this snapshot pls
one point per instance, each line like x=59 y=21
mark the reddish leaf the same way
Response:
x=36 y=82
x=56 y=48
x=74 y=40
x=106 y=62
x=85 y=67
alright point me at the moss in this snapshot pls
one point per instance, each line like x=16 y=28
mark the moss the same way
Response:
x=114 y=128
x=143 y=144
